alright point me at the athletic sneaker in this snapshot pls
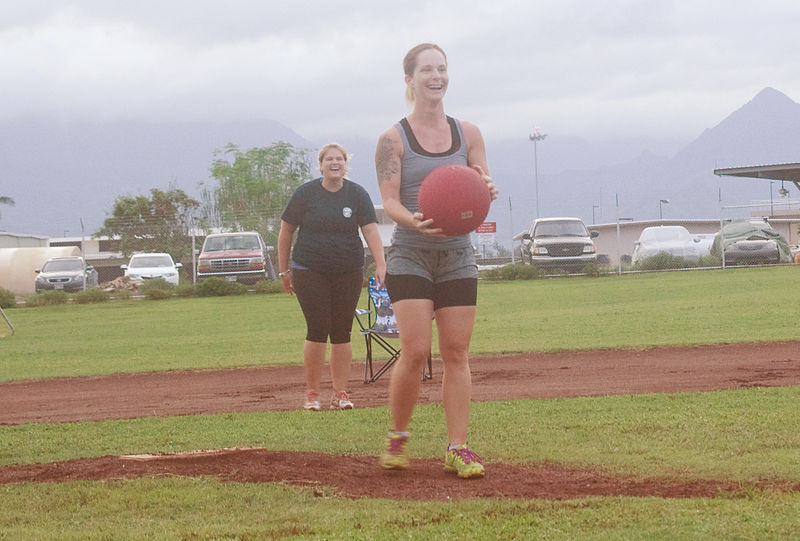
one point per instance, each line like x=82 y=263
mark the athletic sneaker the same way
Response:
x=341 y=401
x=312 y=401
x=463 y=462
x=394 y=457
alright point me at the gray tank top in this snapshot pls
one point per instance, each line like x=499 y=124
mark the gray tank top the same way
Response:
x=417 y=163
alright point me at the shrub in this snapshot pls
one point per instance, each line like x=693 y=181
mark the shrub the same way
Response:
x=662 y=261
x=46 y=298
x=185 y=290
x=91 y=295
x=217 y=287
x=212 y=287
x=513 y=272
x=157 y=294
x=595 y=270
x=237 y=289
x=123 y=294
x=268 y=286
x=156 y=288
x=7 y=299
x=710 y=261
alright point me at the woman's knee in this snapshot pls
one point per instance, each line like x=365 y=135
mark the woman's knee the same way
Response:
x=414 y=356
x=340 y=336
x=317 y=329
x=456 y=350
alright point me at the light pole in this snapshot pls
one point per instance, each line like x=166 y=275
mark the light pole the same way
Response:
x=660 y=213
x=771 y=205
x=594 y=207
x=536 y=137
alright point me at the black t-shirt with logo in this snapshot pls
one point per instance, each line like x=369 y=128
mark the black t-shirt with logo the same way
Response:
x=328 y=222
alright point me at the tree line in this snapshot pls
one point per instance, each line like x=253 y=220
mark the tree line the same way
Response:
x=248 y=193
x=5 y=200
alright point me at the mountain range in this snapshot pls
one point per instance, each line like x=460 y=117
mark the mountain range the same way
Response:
x=65 y=175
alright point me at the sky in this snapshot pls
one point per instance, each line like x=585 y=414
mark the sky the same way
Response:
x=327 y=69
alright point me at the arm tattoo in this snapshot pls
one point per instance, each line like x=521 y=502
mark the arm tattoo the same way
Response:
x=386 y=163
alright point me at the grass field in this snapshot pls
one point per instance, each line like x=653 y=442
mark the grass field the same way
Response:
x=742 y=435
x=700 y=307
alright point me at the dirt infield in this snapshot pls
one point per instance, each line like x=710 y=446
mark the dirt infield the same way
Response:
x=567 y=374
x=360 y=476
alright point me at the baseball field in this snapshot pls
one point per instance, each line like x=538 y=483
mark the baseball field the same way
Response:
x=651 y=406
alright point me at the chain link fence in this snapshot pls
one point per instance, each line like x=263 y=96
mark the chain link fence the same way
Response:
x=620 y=246
x=762 y=233
x=107 y=255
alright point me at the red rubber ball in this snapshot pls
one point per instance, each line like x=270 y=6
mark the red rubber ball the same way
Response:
x=456 y=197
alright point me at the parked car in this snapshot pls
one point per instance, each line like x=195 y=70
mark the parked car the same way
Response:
x=704 y=242
x=70 y=273
x=237 y=257
x=751 y=242
x=558 y=243
x=674 y=240
x=142 y=267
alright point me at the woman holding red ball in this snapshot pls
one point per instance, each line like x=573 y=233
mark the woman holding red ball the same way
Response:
x=429 y=274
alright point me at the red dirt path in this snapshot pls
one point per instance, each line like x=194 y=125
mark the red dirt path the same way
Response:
x=567 y=374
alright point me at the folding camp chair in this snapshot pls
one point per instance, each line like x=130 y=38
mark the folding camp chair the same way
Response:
x=379 y=328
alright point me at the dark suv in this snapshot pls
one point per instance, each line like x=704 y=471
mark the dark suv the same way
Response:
x=237 y=257
x=558 y=243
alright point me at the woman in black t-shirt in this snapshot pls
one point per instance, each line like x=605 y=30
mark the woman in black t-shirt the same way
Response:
x=326 y=267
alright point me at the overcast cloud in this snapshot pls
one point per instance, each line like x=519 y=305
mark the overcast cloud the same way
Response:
x=333 y=68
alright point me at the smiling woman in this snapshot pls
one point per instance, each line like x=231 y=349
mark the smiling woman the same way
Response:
x=325 y=267
x=429 y=275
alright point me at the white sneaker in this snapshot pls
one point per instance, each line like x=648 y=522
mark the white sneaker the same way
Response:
x=312 y=401
x=341 y=401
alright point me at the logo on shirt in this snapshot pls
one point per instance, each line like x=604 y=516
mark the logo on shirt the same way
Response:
x=347 y=212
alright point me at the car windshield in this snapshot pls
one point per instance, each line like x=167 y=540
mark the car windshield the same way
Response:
x=566 y=228
x=664 y=235
x=232 y=242
x=150 y=261
x=61 y=265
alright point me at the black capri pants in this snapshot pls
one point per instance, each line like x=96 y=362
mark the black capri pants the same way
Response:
x=328 y=301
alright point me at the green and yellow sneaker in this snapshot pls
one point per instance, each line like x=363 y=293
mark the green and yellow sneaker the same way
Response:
x=394 y=457
x=463 y=462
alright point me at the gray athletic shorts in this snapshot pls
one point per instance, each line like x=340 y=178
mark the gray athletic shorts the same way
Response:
x=447 y=277
x=434 y=265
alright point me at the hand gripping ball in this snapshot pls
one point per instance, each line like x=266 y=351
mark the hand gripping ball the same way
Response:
x=456 y=197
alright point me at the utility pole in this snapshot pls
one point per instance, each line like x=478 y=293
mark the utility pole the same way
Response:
x=511 y=222
x=660 y=212
x=536 y=137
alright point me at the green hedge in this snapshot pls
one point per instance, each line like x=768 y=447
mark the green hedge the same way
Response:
x=92 y=295
x=7 y=299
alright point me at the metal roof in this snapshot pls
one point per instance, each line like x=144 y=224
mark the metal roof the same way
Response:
x=781 y=171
